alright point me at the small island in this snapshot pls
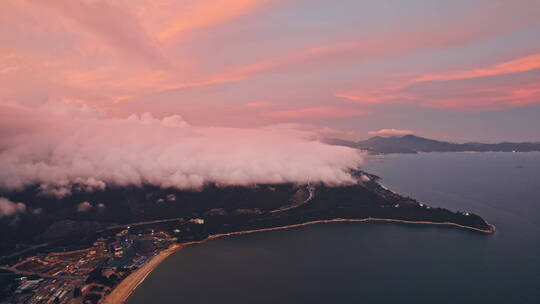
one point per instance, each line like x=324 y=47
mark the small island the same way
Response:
x=101 y=257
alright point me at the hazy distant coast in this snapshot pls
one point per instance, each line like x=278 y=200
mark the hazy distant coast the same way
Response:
x=417 y=144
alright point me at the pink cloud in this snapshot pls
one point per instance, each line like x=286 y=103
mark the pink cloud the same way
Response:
x=131 y=56
x=9 y=208
x=258 y=104
x=59 y=146
x=84 y=207
x=116 y=26
x=313 y=113
x=203 y=13
x=523 y=64
x=458 y=91
x=338 y=53
x=390 y=132
x=487 y=98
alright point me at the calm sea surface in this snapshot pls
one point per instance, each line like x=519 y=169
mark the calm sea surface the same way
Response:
x=382 y=262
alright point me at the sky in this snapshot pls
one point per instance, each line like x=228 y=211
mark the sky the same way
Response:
x=456 y=70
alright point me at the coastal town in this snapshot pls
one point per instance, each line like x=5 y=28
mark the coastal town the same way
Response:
x=88 y=275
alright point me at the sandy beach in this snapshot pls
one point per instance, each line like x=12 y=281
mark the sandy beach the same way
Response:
x=121 y=292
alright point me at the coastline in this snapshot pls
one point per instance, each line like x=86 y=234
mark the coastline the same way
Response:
x=122 y=291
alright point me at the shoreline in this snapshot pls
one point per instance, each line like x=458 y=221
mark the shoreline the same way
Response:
x=122 y=291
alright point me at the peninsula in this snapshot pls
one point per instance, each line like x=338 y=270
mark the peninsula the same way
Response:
x=92 y=258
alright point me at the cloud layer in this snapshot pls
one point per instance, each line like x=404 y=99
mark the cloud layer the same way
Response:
x=9 y=208
x=390 y=132
x=66 y=147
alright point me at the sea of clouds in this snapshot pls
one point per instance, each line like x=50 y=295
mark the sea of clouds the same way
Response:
x=62 y=148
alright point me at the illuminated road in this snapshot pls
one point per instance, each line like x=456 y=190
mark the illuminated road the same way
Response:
x=311 y=191
x=140 y=224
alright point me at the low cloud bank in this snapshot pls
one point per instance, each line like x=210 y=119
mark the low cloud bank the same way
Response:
x=84 y=207
x=65 y=148
x=390 y=132
x=9 y=208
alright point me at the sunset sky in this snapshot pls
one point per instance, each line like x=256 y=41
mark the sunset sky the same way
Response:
x=457 y=70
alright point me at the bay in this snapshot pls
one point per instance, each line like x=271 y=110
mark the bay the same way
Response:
x=382 y=262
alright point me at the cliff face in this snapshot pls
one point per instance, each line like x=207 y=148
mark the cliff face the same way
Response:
x=239 y=208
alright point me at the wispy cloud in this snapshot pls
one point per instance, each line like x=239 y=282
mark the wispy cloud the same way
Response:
x=254 y=62
x=203 y=14
x=481 y=94
x=523 y=64
x=314 y=112
x=113 y=25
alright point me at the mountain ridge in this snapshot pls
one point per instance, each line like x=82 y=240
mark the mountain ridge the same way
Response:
x=416 y=144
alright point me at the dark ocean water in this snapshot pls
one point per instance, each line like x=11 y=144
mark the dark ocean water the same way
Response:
x=382 y=262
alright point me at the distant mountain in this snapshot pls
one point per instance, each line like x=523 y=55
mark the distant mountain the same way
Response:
x=415 y=144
